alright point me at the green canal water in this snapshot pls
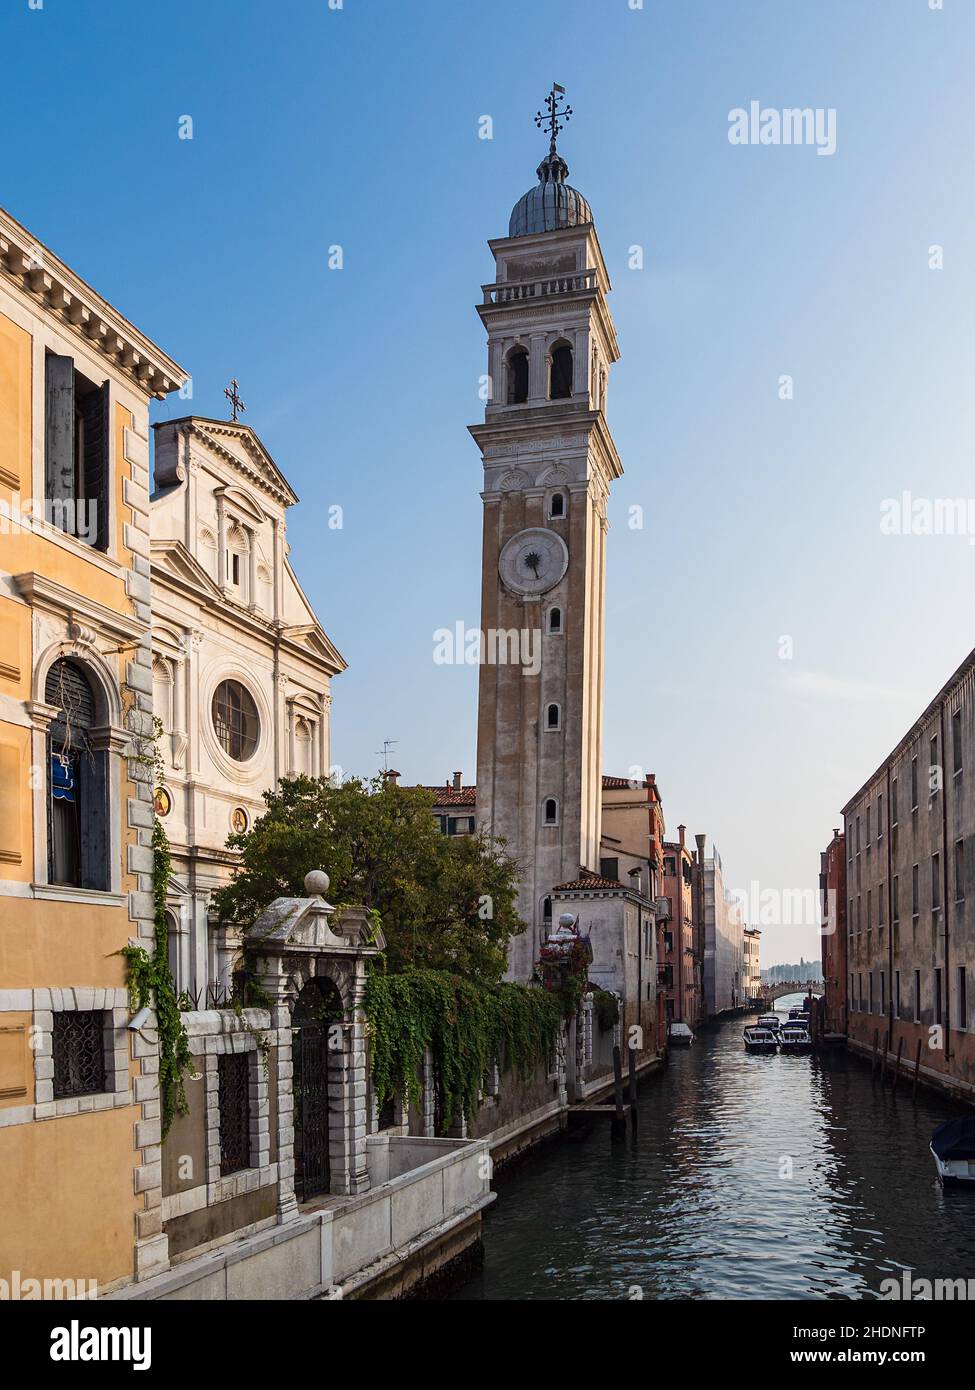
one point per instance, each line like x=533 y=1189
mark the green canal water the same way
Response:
x=748 y=1176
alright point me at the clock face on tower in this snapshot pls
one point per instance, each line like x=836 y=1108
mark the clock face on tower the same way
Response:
x=533 y=561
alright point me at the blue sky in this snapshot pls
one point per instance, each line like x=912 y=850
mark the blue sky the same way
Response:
x=358 y=127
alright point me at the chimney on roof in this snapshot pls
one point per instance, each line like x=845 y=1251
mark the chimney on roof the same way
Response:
x=457 y=781
x=391 y=775
x=701 y=841
x=681 y=832
x=837 y=834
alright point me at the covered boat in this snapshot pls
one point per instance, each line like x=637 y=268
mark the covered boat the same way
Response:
x=760 y=1040
x=794 y=1036
x=680 y=1035
x=770 y=1021
x=953 y=1147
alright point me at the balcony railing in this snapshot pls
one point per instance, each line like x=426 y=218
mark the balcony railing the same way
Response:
x=514 y=291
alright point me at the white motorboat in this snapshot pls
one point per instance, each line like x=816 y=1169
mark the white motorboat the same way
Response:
x=794 y=1036
x=760 y=1040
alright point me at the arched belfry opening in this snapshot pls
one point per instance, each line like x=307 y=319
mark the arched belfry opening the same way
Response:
x=517 y=376
x=563 y=368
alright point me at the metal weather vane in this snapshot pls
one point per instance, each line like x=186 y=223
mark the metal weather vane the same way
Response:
x=555 y=119
x=233 y=396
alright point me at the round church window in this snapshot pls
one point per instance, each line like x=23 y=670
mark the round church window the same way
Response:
x=235 y=720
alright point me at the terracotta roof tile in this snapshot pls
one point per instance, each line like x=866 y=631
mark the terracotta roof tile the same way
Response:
x=588 y=881
x=446 y=796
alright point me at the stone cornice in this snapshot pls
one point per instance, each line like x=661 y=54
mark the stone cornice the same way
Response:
x=504 y=439
x=264 y=628
x=41 y=592
x=35 y=270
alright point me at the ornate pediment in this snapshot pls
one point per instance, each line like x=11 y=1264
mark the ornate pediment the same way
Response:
x=172 y=558
x=312 y=924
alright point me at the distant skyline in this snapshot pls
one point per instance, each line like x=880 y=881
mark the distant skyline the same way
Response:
x=772 y=632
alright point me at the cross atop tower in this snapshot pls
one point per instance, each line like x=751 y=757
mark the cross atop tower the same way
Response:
x=233 y=396
x=555 y=120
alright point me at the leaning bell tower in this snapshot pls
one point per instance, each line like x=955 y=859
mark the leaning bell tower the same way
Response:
x=549 y=460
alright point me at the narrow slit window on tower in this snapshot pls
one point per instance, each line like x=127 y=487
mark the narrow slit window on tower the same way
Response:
x=555 y=620
x=551 y=811
x=517 y=376
x=558 y=504
x=562 y=372
x=553 y=717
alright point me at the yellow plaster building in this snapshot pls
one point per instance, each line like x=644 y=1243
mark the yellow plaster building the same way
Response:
x=79 y=1102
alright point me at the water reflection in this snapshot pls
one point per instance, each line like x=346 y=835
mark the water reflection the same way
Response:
x=749 y=1177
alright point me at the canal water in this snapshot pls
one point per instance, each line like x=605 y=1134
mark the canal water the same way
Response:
x=775 y=1177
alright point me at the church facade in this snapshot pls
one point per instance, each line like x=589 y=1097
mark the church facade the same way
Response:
x=241 y=670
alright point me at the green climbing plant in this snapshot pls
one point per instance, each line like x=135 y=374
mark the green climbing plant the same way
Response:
x=148 y=977
x=607 y=1009
x=150 y=983
x=466 y=1026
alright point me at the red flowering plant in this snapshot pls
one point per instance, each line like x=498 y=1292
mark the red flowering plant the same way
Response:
x=563 y=964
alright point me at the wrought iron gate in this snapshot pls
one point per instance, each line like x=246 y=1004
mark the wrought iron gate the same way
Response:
x=309 y=1053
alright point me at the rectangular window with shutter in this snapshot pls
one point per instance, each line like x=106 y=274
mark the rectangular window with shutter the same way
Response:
x=77 y=452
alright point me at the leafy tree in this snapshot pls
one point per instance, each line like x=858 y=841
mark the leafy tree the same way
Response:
x=446 y=903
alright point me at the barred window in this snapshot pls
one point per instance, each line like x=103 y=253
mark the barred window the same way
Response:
x=235 y=1112
x=79 y=1054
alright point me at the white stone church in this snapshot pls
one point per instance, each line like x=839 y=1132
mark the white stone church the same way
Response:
x=242 y=668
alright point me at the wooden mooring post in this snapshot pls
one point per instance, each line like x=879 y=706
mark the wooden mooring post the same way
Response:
x=632 y=1079
x=897 y=1065
x=619 y=1119
x=917 y=1070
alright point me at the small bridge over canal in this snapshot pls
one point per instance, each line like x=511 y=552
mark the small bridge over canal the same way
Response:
x=772 y=993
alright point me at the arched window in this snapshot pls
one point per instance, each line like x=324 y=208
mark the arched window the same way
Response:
x=235 y=720
x=555 y=620
x=517 y=376
x=162 y=693
x=303 y=747
x=78 y=784
x=553 y=717
x=547 y=911
x=172 y=948
x=562 y=373
x=237 y=548
x=551 y=811
x=558 y=504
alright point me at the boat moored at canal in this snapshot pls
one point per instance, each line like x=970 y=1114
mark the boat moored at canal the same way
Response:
x=680 y=1035
x=771 y=1021
x=760 y=1040
x=794 y=1036
x=953 y=1147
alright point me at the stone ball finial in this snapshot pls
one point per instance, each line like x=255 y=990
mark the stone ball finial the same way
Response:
x=567 y=920
x=316 y=883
